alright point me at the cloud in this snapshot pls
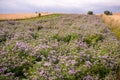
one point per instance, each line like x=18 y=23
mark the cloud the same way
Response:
x=74 y=6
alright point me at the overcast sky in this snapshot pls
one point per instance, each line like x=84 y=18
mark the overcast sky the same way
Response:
x=67 y=6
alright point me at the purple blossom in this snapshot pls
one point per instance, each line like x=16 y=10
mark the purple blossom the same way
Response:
x=16 y=78
x=37 y=48
x=105 y=57
x=45 y=46
x=82 y=44
x=56 y=45
x=47 y=64
x=22 y=46
x=57 y=68
x=9 y=74
x=89 y=64
x=41 y=72
x=67 y=64
x=3 y=52
x=52 y=51
x=25 y=74
x=83 y=54
x=3 y=69
x=71 y=71
x=88 y=77
x=73 y=62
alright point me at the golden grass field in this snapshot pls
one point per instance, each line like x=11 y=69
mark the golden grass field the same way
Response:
x=114 y=22
x=21 y=15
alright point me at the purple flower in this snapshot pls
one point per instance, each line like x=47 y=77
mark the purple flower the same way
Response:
x=72 y=71
x=52 y=51
x=3 y=52
x=22 y=46
x=47 y=64
x=57 y=68
x=73 y=62
x=82 y=44
x=25 y=74
x=105 y=57
x=45 y=46
x=56 y=45
x=3 y=69
x=16 y=78
x=88 y=63
x=37 y=48
x=41 y=72
x=83 y=54
x=8 y=74
x=88 y=77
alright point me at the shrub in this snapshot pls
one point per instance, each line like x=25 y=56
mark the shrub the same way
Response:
x=93 y=39
x=107 y=12
x=39 y=14
x=90 y=12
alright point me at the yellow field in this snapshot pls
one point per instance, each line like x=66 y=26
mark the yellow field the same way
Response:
x=114 y=22
x=21 y=16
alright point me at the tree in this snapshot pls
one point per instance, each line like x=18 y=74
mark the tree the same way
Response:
x=90 y=12
x=39 y=14
x=107 y=12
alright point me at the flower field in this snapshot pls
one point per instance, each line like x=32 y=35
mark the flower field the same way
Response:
x=58 y=47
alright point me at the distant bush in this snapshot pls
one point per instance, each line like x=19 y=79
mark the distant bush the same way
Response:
x=90 y=12
x=107 y=13
x=39 y=14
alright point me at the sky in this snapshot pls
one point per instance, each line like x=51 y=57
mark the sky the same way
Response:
x=59 y=6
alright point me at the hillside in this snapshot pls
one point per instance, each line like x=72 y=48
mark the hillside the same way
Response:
x=58 y=47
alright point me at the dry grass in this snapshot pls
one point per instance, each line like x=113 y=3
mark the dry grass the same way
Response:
x=114 y=22
x=45 y=13
x=116 y=13
x=17 y=16
x=21 y=16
